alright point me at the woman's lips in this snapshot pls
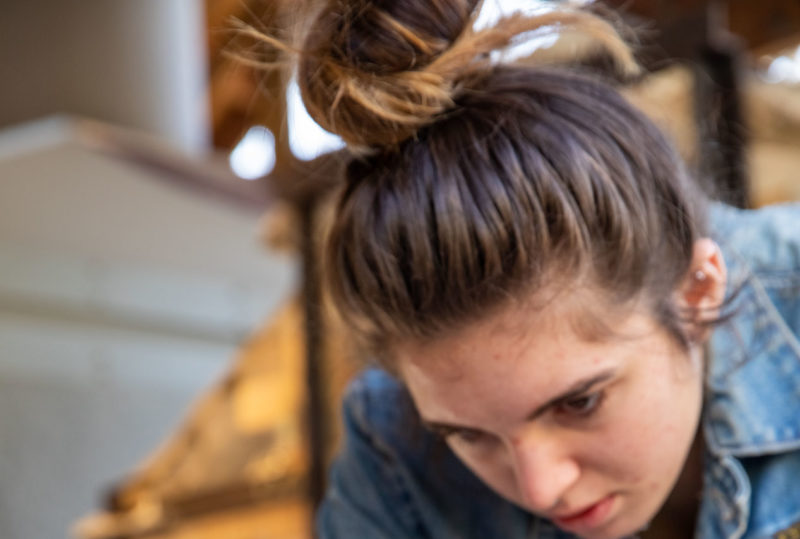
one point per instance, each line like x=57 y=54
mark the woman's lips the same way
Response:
x=589 y=517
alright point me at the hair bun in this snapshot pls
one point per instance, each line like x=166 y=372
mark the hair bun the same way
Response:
x=375 y=71
x=362 y=71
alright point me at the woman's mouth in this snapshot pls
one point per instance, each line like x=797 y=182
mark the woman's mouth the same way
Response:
x=589 y=517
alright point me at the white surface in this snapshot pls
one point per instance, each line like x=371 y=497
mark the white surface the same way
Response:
x=137 y=63
x=65 y=199
x=79 y=408
x=122 y=297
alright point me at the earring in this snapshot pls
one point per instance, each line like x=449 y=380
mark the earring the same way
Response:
x=700 y=276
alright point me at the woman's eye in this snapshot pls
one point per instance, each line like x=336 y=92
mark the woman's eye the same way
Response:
x=469 y=437
x=582 y=406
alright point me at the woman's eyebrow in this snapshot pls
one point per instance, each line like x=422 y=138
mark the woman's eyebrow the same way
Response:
x=576 y=389
x=445 y=429
x=442 y=428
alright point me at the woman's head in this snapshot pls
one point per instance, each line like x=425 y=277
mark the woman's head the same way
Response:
x=483 y=193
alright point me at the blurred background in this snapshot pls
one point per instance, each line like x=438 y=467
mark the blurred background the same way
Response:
x=167 y=365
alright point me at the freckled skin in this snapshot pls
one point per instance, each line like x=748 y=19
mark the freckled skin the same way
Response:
x=491 y=375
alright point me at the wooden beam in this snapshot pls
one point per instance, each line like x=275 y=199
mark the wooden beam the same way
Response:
x=763 y=22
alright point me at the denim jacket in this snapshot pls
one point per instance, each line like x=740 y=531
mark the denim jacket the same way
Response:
x=395 y=480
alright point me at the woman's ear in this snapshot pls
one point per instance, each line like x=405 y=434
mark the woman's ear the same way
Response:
x=702 y=290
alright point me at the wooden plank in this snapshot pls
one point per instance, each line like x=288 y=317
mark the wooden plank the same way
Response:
x=288 y=519
x=763 y=22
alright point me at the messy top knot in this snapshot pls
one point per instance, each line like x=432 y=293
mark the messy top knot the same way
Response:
x=375 y=71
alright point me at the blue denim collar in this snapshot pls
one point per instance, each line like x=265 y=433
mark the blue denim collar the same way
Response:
x=753 y=382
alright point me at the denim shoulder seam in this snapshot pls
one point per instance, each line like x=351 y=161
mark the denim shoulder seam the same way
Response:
x=787 y=332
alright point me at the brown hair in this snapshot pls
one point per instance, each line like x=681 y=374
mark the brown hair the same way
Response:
x=484 y=182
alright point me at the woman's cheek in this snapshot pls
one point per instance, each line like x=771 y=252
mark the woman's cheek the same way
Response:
x=621 y=446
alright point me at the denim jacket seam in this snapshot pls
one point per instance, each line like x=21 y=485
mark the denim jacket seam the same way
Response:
x=756 y=450
x=741 y=498
x=775 y=316
x=781 y=279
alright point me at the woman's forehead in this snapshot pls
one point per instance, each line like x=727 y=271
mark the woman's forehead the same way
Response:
x=553 y=327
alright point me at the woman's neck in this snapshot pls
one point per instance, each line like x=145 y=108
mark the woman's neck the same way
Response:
x=677 y=517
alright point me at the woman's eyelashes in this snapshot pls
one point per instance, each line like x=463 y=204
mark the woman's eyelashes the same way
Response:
x=469 y=437
x=583 y=406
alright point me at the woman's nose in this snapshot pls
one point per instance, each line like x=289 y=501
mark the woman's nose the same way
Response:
x=544 y=472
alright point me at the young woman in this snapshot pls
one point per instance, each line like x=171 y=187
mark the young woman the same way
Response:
x=603 y=353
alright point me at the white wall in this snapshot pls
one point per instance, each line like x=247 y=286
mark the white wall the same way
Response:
x=137 y=63
x=122 y=297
